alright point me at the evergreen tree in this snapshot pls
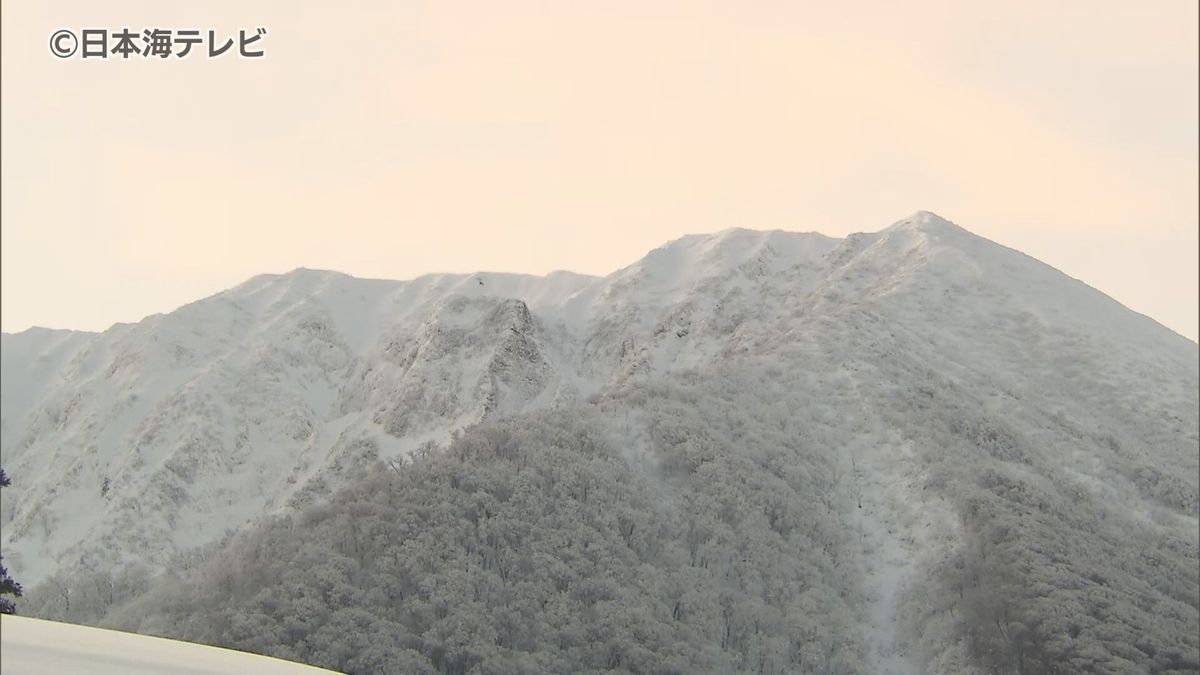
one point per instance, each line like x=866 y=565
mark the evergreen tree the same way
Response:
x=7 y=585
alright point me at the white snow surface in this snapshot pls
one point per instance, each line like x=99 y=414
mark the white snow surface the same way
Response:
x=37 y=647
x=150 y=439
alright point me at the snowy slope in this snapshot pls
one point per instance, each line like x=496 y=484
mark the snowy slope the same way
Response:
x=160 y=436
x=148 y=440
x=33 y=646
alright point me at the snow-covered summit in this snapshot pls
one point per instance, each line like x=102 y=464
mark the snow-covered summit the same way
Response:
x=925 y=221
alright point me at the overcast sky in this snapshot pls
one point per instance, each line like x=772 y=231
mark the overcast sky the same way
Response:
x=402 y=138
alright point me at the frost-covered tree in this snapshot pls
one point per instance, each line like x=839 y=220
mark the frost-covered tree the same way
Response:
x=7 y=585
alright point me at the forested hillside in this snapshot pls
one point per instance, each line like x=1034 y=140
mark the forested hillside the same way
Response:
x=723 y=522
x=902 y=452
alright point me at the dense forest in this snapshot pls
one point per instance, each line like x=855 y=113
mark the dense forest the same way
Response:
x=535 y=544
x=720 y=521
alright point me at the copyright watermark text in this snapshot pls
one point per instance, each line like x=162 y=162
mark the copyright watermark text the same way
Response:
x=100 y=43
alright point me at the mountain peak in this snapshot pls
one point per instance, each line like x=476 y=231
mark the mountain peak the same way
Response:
x=925 y=221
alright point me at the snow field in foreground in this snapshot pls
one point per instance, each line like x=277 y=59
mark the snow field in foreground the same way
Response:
x=32 y=646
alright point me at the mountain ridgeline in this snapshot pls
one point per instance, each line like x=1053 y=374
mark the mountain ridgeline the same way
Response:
x=906 y=451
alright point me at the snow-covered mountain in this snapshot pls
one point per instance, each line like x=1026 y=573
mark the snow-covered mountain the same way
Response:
x=148 y=440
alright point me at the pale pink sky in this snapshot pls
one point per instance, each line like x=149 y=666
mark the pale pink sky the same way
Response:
x=399 y=138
